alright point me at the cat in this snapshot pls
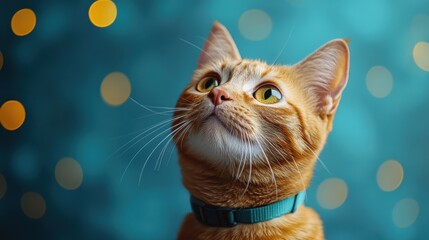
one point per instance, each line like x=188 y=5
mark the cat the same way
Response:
x=248 y=134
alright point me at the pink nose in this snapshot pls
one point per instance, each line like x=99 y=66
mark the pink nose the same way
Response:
x=218 y=96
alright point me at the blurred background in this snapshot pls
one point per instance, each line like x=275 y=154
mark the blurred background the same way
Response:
x=74 y=135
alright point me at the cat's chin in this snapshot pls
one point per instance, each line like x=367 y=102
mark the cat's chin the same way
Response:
x=215 y=143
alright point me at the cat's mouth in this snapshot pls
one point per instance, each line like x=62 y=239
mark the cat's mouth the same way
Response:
x=215 y=117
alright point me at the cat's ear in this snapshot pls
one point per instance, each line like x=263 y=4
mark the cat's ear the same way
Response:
x=219 y=45
x=324 y=75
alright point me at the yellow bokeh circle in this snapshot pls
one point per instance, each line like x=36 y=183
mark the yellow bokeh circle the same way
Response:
x=379 y=81
x=390 y=175
x=421 y=55
x=68 y=173
x=12 y=115
x=255 y=24
x=23 y=22
x=405 y=212
x=3 y=186
x=33 y=205
x=332 y=193
x=115 y=88
x=102 y=13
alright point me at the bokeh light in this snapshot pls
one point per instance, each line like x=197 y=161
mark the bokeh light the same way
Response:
x=332 y=193
x=421 y=55
x=379 y=81
x=1 y=60
x=102 y=13
x=115 y=88
x=405 y=212
x=12 y=115
x=33 y=205
x=3 y=186
x=390 y=175
x=23 y=22
x=68 y=173
x=255 y=24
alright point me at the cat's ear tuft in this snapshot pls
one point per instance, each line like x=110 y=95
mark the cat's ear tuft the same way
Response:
x=324 y=75
x=219 y=45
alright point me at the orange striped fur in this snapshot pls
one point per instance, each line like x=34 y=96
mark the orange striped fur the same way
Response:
x=256 y=153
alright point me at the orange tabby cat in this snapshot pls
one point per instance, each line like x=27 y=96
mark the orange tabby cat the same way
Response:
x=249 y=133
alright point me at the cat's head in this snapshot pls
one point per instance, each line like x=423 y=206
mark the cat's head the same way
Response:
x=237 y=112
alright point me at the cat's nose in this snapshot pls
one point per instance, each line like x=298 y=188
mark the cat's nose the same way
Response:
x=219 y=96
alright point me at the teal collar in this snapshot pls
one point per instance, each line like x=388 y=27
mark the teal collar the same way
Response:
x=229 y=217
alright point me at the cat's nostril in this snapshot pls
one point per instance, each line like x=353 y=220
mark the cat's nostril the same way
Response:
x=218 y=96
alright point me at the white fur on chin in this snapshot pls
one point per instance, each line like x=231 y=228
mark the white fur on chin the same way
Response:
x=214 y=143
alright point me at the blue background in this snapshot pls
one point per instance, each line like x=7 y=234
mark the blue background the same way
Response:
x=56 y=72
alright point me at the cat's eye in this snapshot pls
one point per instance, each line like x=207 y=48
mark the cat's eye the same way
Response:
x=207 y=84
x=268 y=95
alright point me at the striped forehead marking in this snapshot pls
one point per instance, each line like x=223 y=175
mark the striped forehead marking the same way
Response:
x=244 y=70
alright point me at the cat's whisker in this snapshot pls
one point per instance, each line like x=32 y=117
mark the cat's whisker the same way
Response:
x=318 y=159
x=148 y=108
x=238 y=174
x=284 y=46
x=194 y=45
x=265 y=140
x=182 y=124
x=300 y=176
x=275 y=148
x=208 y=40
x=161 y=155
x=293 y=159
x=126 y=134
x=169 y=108
x=244 y=160
x=190 y=103
x=269 y=165
x=169 y=155
x=165 y=113
x=181 y=136
x=138 y=135
x=250 y=166
x=141 y=149
x=156 y=127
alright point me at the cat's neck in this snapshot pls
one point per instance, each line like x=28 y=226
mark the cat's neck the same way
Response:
x=304 y=224
x=216 y=186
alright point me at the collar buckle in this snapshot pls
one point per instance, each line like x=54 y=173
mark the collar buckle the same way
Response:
x=213 y=216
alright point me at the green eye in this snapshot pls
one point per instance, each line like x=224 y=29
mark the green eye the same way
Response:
x=267 y=95
x=207 y=84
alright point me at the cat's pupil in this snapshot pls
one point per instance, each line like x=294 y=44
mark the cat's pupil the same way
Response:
x=267 y=94
x=209 y=83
